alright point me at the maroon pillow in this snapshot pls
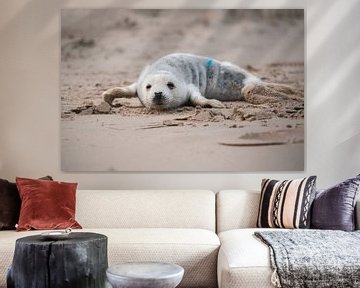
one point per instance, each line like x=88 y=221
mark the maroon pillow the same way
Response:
x=10 y=204
x=46 y=204
x=334 y=208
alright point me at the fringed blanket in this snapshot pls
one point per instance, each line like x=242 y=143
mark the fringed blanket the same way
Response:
x=313 y=258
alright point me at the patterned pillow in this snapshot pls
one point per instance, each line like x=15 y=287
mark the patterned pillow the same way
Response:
x=286 y=204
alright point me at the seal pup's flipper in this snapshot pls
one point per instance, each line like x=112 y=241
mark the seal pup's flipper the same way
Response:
x=120 y=92
x=197 y=99
x=283 y=88
x=261 y=93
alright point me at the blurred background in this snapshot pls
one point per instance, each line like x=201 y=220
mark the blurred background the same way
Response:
x=128 y=39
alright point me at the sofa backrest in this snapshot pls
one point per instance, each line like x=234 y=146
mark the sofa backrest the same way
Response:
x=146 y=209
x=236 y=209
x=239 y=209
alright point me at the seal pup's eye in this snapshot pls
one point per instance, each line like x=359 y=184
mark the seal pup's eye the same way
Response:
x=148 y=86
x=171 y=85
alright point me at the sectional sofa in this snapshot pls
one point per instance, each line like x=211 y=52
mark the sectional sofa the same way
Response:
x=209 y=234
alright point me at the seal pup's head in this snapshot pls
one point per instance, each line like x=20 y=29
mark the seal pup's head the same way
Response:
x=162 y=90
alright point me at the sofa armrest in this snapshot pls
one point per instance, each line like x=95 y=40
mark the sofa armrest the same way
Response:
x=357 y=215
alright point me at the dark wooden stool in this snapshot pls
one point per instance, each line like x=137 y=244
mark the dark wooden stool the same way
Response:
x=79 y=261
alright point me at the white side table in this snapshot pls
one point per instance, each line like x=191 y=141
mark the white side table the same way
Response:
x=145 y=275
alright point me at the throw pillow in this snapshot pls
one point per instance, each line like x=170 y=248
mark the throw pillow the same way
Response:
x=286 y=204
x=46 y=204
x=334 y=208
x=10 y=204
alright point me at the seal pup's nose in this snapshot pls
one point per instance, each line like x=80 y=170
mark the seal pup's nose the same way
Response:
x=158 y=94
x=158 y=97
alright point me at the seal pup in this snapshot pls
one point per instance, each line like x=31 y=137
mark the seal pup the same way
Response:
x=185 y=79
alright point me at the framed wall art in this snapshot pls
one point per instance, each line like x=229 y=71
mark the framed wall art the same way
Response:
x=182 y=90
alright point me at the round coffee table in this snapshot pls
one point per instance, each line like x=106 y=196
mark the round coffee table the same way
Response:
x=145 y=275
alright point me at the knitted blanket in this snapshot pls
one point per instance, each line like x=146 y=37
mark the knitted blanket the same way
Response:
x=313 y=258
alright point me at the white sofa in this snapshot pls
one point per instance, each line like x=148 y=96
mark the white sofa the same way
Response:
x=243 y=261
x=175 y=226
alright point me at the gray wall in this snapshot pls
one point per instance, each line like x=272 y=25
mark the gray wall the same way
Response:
x=30 y=102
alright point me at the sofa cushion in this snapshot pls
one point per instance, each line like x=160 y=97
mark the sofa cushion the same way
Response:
x=46 y=204
x=194 y=249
x=244 y=260
x=236 y=209
x=334 y=208
x=153 y=209
x=286 y=204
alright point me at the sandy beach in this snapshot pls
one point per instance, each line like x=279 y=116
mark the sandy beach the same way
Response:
x=107 y=48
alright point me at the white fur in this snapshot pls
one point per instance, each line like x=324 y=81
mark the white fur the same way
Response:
x=171 y=97
x=196 y=80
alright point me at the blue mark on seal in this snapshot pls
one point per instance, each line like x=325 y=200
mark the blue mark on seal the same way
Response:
x=209 y=62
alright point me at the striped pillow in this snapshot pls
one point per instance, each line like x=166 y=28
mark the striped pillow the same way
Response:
x=286 y=204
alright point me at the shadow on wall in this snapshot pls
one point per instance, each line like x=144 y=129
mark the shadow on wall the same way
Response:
x=339 y=64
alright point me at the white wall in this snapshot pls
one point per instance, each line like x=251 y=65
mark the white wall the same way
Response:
x=30 y=101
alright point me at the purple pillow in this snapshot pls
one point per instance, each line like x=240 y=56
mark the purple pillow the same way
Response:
x=334 y=208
